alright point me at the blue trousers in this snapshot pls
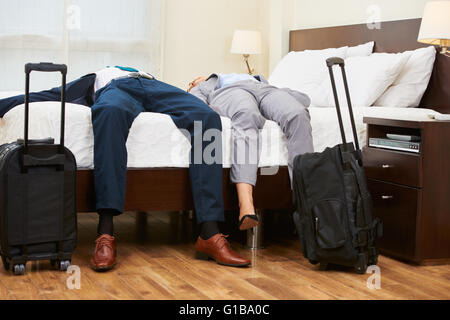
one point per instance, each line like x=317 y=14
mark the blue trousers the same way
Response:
x=113 y=112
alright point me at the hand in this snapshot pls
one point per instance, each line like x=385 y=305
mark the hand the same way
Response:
x=195 y=83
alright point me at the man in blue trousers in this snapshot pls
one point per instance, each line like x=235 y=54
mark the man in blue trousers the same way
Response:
x=116 y=97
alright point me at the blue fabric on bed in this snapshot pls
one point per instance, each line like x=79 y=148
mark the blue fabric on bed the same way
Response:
x=80 y=91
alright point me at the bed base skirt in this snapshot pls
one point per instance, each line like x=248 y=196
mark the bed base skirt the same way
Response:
x=169 y=189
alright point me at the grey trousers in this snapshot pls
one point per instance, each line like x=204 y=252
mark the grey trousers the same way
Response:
x=248 y=106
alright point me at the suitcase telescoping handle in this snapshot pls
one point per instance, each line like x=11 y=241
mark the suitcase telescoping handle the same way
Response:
x=330 y=63
x=45 y=67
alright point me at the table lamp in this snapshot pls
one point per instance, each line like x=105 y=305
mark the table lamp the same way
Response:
x=246 y=42
x=435 y=27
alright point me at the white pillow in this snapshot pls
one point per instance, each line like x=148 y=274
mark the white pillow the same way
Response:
x=368 y=77
x=304 y=70
x=410 y=85
x=362 y=50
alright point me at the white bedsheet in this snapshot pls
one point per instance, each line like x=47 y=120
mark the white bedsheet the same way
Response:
x=155 y=141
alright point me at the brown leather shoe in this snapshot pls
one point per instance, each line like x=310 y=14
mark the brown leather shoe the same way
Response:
x=104 y=257
x=218 y=249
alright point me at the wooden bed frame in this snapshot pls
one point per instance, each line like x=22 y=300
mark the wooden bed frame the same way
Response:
x=168 y=189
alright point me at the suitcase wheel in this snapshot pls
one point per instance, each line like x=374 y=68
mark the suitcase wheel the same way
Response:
x=361 y=265
x=19 y=269
x=373 y=261
x=64 y=265
x=5 y=263
x=323 y=266
x=313 y=261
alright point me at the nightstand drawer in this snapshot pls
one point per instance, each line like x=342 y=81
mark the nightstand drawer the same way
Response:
x=396 y=206
x=392 y=166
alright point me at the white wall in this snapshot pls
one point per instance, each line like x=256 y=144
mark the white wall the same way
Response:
x=324 y=13
x=198 y=33
x=279 y=20
x=198 y=36
x=286 y=15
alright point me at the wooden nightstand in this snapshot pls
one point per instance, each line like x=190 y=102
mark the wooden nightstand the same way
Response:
x=411 y=192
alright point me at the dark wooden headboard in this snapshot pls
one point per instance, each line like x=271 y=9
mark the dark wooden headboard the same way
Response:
x=393 y=36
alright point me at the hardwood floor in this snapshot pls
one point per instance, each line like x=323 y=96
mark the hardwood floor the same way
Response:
x=156 y=262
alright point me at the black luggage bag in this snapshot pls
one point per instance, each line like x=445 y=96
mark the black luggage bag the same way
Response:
x=334 y=208
x=38 y=194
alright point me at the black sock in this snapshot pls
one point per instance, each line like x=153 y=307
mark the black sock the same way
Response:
x=105 y=221
x=209 y=229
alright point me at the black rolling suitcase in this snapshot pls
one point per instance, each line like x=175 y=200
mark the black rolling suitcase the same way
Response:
x=334 y=209
x=38 y=194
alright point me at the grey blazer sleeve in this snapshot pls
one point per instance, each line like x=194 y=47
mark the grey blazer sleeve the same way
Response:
x=204 y=89
x=199 y=94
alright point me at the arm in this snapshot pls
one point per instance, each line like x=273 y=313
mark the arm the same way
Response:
x=196 y=91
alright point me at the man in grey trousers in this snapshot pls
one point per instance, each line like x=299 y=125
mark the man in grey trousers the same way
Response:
x=248 y=101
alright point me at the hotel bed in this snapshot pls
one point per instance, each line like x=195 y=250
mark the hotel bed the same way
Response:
x=158 y=153
x=155 y=141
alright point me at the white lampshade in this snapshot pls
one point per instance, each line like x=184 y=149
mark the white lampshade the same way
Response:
x=246 y=42
x=435 y=23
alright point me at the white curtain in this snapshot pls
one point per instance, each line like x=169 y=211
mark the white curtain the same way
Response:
x=87 y=35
